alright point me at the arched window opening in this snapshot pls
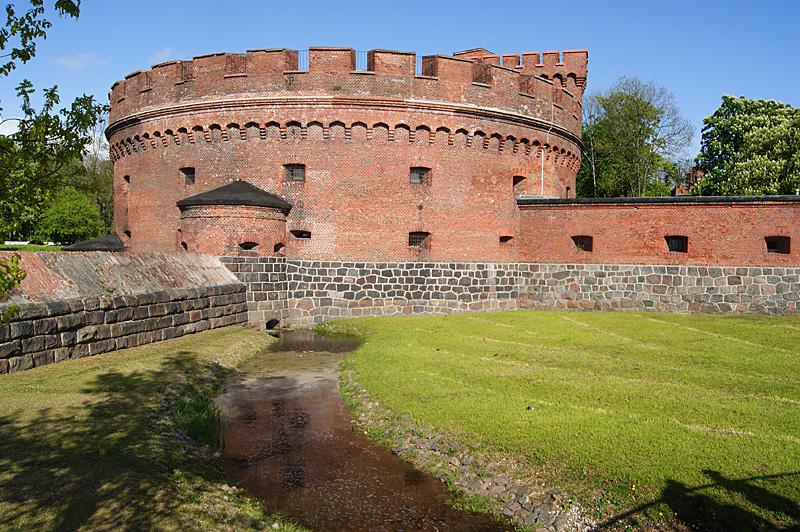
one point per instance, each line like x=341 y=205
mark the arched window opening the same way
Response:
x=506 y=239
x=278 y=248
x=248 y=246
x=184 y=246
x=300 y=233
x=583 y=242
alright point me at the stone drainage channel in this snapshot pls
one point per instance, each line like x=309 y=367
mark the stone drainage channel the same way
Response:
x=289 y=440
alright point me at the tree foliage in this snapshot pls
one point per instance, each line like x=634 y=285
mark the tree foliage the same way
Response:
x=31 y=159
x=633 y=137
x=22 y=30
x=750 y=147
x=47 y=139
x=70 y=217
x=11 y=275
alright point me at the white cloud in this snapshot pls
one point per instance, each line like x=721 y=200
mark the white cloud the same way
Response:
x=9 y=127
x=80 y=62
x=167 y=54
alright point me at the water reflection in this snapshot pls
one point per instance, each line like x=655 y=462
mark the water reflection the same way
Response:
x=289 y=440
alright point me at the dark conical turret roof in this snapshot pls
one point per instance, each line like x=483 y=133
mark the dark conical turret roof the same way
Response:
x=237 y=193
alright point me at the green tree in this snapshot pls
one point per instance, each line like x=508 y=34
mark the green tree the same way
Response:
x=70 y=217
x=21 y=32
x=750 y=147
x=93 y=176
x=31 y=159
x=11 y=275
x=634 y=135
x=47 y=138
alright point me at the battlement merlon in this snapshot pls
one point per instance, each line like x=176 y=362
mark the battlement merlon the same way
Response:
x=546 y=85
x=568 y=66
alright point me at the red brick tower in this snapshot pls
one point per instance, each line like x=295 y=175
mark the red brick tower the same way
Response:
x=382 y=163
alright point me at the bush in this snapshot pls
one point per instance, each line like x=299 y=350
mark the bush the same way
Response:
x=11 y=275
x=70 y=217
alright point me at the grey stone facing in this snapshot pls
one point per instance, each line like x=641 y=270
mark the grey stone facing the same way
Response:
x=58 y=330
x=300 y=292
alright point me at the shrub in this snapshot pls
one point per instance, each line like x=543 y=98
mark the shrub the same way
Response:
x=11 y=275
x=70 y=217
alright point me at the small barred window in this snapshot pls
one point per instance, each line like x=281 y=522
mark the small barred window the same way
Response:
x=295 y=173
x=419 y=239
x=678 y=243
x=778 y=244
x=188 y=175
x=420 y=175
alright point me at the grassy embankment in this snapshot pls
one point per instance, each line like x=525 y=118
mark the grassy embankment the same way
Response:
x=97 y=443
x=29 y=247
x=637 y=415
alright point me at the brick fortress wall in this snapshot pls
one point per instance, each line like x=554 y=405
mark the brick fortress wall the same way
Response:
x=720 y=231
x=474 y=123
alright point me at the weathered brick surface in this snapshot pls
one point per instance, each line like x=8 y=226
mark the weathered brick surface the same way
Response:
x=358 y=134
x=721 y=231
x=493 y=129
x=306 y=292
x=129 y=321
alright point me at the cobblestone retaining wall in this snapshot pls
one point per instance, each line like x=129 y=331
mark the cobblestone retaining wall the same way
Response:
x=43 y=333
x=709 y=289
x=73 y=305
x=306 y=292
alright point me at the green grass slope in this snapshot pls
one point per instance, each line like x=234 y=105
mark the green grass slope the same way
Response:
x=660 y=415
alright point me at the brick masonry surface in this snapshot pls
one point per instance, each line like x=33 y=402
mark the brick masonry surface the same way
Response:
x=307 y=292
x=489 y=129
x=43 y=333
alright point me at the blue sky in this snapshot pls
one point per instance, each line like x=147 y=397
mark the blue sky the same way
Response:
x=698 y=49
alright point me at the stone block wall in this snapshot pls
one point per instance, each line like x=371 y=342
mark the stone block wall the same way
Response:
x=73 y=305
x=308 y=292
x=43 y=333
x=265 y=279
x=711 y=289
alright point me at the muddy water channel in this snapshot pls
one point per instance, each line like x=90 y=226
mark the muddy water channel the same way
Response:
x=289 y=441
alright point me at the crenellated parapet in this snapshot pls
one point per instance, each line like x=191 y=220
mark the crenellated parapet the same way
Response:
x=547 y=87
x=566 y=69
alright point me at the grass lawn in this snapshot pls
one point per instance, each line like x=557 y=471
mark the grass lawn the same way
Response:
x=653 y=415
x=29 y=247
x=87 y=444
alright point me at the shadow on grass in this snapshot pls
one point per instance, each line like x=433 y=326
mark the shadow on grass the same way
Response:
x=105 y=465
x=749 y=501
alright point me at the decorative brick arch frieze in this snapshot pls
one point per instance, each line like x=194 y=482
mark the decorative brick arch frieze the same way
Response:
x=438 y=137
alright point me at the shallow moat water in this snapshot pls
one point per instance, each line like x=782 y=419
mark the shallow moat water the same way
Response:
x=289 y=440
